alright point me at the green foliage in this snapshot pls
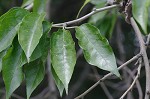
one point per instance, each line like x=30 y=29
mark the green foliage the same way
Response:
x=9 y=25
x=25 y=43
x=39 y=6
x=98 y=2
x=106 y=25
x=96 y=48
x=63 y=55
x=30 y=32
x=140 y=13
x=41 y=51
x=34 y=74
x=58 y=82
x=12 y=71
x=99 y=16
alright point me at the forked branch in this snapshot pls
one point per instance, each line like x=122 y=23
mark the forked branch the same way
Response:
x=144 y=55
x=106 y=76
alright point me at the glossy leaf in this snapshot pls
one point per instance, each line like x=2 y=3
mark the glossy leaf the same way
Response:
x=58 y=82
x=9 y=26
x=34 y=74
x=42 y=48
x=26 y=3
x=6 y=14
x=45 y=40
x=12 y=71
x=96 y=48
x=30 y=32
x=63 y=55
x=39 y=6
x=140 y=13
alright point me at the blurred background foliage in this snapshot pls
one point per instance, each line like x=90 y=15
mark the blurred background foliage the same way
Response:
x=121 y=37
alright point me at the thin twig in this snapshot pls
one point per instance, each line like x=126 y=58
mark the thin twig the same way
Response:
x=79 y=53
x=102 y=84
x=13 y=95
x=148 y=40
x=131 y=73
x=74 y=88
x=144 y=54
x=88 y=15
x=41 y=95
x=72 y=27
x=29 y=7
x=134 y=81
x=106 y=76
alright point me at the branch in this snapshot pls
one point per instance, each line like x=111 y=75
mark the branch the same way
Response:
x=148 y=40
x=86 y=16
x=131 y=73
x=13 y=95
x=106 y=76
x=135 y=79
x=144 y=54
x=29 y=7
x=102 y=84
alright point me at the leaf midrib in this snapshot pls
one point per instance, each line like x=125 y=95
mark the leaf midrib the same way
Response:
x=31 y=39
x=94 y=47
x=65 y=61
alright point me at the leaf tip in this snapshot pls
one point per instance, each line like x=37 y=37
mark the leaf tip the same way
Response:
x=28 y=59
x=117 y=73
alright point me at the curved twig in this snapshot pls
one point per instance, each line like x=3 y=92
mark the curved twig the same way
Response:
x=135 y=79
x=106 y=76
x=87 y=16
x=29 y=6
x=144 y=54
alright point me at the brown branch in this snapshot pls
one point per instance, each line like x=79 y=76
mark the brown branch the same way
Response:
x=102 y=84
x=131 y=73
x=148 y=40
x=13 y=95
x=86 y=16
x=106 y=76
x=144 y=55
x=135 y=79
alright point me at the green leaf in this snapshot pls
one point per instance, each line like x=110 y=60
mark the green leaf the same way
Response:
x=12 y=71
x=6 y=14
x=140 y=13
x=34 y=74
x=63 y=55
x=45 y=40
x=107 y=24
x=42 y=48
x=39 y=6
x=58 y=82
x=96 y=48
x=2 y=54
x=9 y=26
x=99 y=16
x=85 y=3
x=26 y=3
x=97 y=2
x=30 y=32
